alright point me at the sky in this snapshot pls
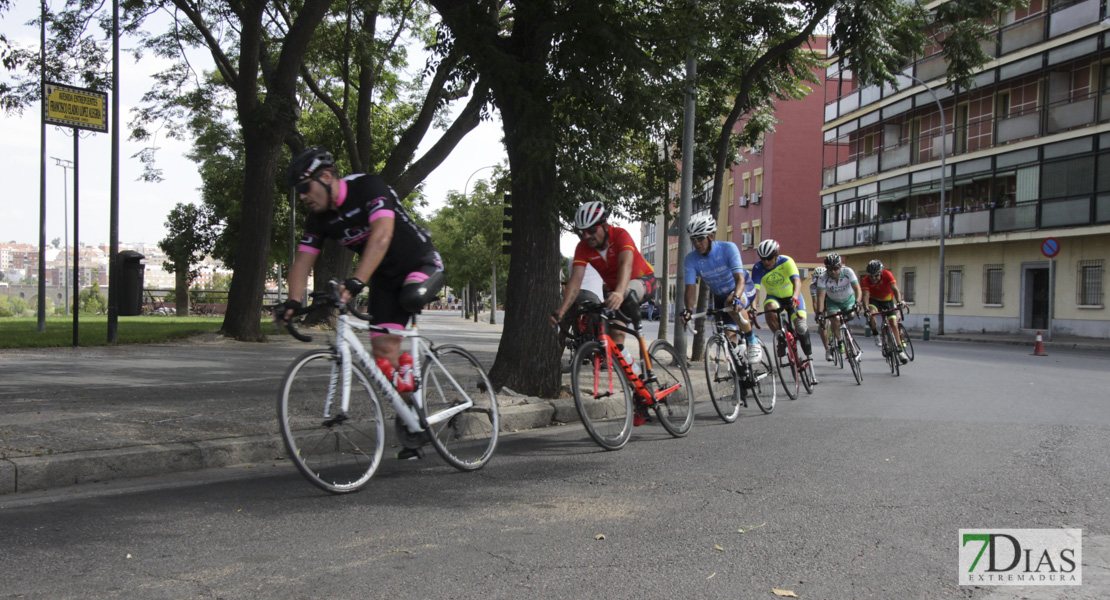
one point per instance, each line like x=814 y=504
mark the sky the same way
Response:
x=143 y=207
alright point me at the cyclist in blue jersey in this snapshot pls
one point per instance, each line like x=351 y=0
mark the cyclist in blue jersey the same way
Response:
x=782 y=286
x=720 y=266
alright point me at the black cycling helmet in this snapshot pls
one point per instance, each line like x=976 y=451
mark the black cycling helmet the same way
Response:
x=306 y=163
x=874 y=267
x=832 y=261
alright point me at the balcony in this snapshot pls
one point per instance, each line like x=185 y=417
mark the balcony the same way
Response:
x=1069 y=115
x=1023 y=34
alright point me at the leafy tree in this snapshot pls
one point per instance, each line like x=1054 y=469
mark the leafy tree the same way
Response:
x=56 y=242
x=90 y=301
x=192 y=231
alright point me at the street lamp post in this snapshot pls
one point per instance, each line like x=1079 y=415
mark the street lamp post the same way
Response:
x=943 y=173
x=66 y=165
x=493 y=278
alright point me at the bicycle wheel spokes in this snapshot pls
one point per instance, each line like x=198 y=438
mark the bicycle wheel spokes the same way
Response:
x=602 y=397
x=340 y=452
x=906 y=340
x=766 y=391
x=785 y=368
x=721 y=376
x=466 y=440
x=674 y=395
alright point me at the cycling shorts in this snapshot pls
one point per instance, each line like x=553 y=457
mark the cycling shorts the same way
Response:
x=881 y=305
x=394 y=300
x=774 y=302
x=832 y=306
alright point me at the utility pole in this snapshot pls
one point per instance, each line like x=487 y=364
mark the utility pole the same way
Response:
x=66 y=165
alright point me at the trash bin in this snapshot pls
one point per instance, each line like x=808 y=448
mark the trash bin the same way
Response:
x=130 y=283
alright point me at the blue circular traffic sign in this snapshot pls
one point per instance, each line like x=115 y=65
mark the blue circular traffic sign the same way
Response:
x=1050 y=247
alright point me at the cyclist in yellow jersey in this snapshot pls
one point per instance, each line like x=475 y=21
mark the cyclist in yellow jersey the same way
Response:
x=781 y=283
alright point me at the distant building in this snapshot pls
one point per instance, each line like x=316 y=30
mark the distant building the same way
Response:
x=1026 y=177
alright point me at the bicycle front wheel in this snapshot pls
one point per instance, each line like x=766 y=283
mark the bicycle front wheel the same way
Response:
x=890 y=349
x=601 y=396
x=906 y=340
x=721 y=376
x=465 y=440
x=763 y=377
x=853 y=355
x=674 y=396
x=336 y=451
x=785 y=367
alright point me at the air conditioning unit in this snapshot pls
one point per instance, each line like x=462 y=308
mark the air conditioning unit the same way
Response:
x=743 y=200
x=755 y=198
x=863 y=236
x=746 y=239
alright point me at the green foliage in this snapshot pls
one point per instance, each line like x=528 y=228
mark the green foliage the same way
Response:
x=191 y=232
x=467 y=234
x=91 y=301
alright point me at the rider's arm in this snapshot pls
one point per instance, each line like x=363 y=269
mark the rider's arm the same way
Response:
x=897 y=293
x=570 y=292
x=298 y=277
x=740 y=284
x=691 y=296
x=797 y=291
x=820 y=306
x=374 y=251
x=624 y=274
x=858 y=292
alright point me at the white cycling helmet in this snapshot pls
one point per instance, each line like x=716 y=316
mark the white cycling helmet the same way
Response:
x=701 y=225
x=590 y=214
x=767 y=248
x=819 y=272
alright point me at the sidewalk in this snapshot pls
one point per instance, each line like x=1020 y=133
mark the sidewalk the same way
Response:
x=73 y=416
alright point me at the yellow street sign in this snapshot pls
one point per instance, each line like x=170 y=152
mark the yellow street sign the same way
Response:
x=75 y=107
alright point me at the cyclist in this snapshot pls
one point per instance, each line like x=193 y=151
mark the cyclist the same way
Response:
x=720 y=266
x=590 y=292
x=628 y=278
x=838 y=291
x=880 y=292
x=396 y=257
x=818 y=273
x=778 y=277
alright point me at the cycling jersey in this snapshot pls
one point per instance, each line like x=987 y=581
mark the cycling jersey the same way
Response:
x=716 y=268
x=363 y=199
x=606 y=264
x=778 y=280
x=839 y=289
x=882 y=289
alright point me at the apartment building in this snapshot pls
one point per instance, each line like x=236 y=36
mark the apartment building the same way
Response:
x=1011 y=178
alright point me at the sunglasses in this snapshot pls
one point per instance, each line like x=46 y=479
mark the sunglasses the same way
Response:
x=304 y=186
x=697 y=238
x=588 y=231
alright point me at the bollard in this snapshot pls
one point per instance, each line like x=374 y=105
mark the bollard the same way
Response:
x=925 y=335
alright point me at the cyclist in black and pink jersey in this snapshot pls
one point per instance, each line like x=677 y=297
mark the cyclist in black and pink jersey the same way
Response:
x=396 y=256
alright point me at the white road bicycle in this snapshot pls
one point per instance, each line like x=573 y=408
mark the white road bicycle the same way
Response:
x=331 y=418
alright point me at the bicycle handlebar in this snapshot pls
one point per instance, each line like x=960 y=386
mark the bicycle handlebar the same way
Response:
x=324 y=299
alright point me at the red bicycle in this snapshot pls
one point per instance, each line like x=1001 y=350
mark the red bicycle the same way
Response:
x=610 y=394
x=787 y=359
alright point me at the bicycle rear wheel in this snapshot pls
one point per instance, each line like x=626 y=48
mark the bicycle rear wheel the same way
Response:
x=806 y=374
x=763 y=374
x=906 y=340
x=785 y=368
x=467 y=439
x=890 y=349
x=674 y=395
x=336 y=452
x=721 y=376
x=601 y=396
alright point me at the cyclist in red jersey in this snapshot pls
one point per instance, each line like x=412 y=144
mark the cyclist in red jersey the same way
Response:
x=880 y=292
x=629 y=279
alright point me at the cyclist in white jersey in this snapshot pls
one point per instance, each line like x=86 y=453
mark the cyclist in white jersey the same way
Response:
x=838 y=291
x=818 y=273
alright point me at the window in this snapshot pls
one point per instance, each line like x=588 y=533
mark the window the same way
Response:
x=1089 y=283
x=960 y=129
x=869 y=144
x=909 y=286
x=1002 y=104
x=954 y=292
x=992 y=285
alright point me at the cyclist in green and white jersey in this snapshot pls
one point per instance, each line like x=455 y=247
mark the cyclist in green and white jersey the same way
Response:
x=838 y=291
x=818 y=273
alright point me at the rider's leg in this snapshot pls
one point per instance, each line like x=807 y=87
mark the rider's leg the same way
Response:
x=802 y=329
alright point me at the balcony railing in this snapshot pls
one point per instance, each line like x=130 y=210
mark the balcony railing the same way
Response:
x=1042 y=214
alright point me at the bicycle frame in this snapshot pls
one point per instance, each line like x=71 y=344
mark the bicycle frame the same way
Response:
x=346 y=340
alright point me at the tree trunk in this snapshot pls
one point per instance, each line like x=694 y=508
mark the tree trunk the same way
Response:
x=663 y=275
x=181 y=289
x=698 y=351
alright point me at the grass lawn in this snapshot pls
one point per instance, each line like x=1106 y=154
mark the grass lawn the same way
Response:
x=93 y=330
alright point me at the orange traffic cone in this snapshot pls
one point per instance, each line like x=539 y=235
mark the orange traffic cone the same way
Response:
x=1038 y=349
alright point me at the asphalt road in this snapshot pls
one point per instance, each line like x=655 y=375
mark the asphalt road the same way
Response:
x=853 y=492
